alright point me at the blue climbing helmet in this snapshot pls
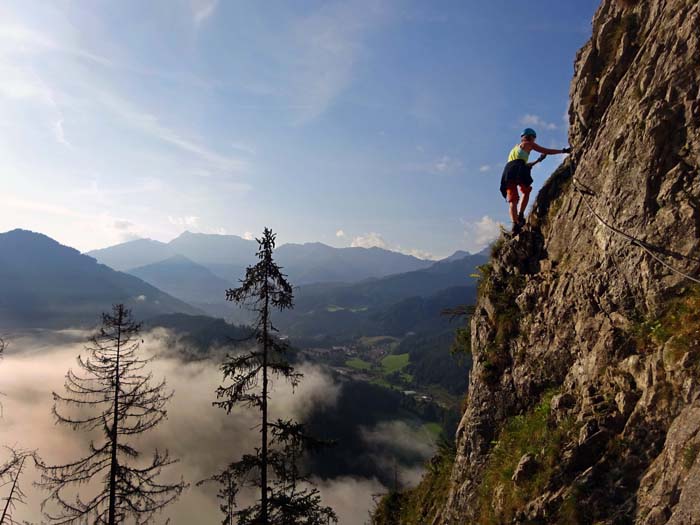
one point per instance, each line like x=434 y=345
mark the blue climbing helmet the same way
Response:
x=529 y=131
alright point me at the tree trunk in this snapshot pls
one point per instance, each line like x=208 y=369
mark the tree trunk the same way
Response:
x=113 y=466
x=263 y=474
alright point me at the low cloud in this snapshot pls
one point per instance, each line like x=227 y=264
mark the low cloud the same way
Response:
x=376 y=240
x=398 y=434
x=248 y=236
x=202 y=437
x=340 y=234
x=481 y=233
x=351 y=498
x=420 y=254
x=369 y=240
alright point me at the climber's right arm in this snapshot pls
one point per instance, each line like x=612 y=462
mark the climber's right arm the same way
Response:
x=549 y=151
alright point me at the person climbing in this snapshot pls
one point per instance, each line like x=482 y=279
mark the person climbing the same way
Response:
x=517 y=174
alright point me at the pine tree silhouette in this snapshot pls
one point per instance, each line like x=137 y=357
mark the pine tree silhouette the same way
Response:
x=286 y=496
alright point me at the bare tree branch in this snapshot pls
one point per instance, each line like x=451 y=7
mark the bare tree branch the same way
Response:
x=111 y=395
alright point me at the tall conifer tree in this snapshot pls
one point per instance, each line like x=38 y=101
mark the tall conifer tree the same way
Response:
x=285 y=494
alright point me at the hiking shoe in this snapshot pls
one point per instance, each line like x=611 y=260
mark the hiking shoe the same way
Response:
x=517 y=228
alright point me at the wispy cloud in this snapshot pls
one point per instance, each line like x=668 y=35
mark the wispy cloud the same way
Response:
x=21 y=46
x=202 y=10
x=22 y=84
x=484 y=168
x=447 y=165
x=151 y=125
x=244 y=147
x=537 y=121
x=21 y=38
x=340 y=234
x=325 y=47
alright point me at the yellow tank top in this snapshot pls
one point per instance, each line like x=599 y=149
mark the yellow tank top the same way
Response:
x=518 y=153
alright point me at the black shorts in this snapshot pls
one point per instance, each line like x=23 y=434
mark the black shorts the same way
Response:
x=517 y=172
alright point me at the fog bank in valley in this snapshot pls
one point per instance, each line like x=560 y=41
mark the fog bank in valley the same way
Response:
x=203 y=437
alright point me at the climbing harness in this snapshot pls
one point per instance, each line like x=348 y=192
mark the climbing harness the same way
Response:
x=580 y=188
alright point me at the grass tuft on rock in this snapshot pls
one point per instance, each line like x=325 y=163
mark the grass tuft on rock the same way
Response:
x=534 y=433
x=677 y=328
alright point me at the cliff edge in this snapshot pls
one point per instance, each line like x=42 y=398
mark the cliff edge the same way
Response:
x=584 y=398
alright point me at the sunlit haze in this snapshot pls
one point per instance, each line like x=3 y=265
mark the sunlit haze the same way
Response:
x=351 y=123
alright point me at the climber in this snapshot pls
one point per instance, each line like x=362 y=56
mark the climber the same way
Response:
x=517 y=173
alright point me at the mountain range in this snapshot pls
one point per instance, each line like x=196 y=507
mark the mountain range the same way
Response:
x=226 y=256
x=45 y=284
x=392 y=305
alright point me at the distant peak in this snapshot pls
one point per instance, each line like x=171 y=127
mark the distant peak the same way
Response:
x=19 y=233
x=179 y=259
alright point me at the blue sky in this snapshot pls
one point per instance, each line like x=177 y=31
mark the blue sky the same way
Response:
x=352 y=123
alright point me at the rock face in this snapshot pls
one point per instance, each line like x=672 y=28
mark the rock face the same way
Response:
x=578 y=325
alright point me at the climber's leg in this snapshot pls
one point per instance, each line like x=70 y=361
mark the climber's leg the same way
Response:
x=526 y=197
x=512 y=197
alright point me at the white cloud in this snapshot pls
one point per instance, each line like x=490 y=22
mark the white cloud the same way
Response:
x=537 y=121
x=447 y=164
x=340 y=234
x=421 y=254
x=248 y=236
x=484 y=168
x=125 y=230
x=370 y=240
x=376 y=240
x=481 y=233
x=188 y=221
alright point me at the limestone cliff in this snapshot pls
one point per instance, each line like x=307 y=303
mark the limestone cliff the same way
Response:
x=584 y=399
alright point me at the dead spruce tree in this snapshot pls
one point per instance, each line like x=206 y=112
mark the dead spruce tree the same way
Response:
x=10 y=473
x=286 y=496
x=116 y=398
